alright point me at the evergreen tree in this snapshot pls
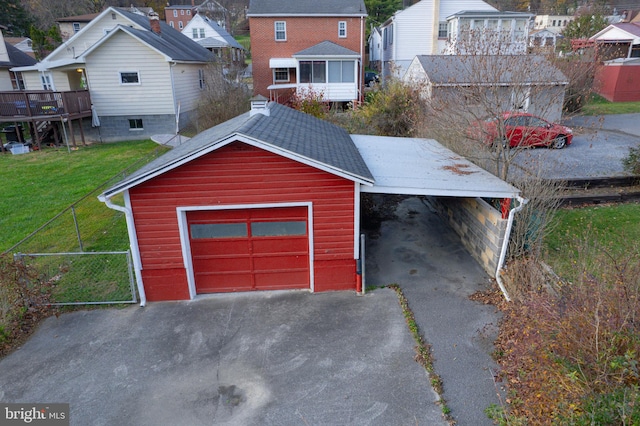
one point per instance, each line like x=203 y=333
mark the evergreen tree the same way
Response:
x=15 y=18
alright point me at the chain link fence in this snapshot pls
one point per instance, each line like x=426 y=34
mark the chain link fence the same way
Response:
x=81 y=252
x=89 y=278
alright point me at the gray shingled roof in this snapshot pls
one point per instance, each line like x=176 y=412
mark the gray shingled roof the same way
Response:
x=230 y=41
x=326 y=48
x=307 y=7
x=498 y=69
x=17 y=58
x=171 y=42
x=286 y=130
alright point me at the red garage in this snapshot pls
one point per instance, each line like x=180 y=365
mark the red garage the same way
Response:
x=268 y=200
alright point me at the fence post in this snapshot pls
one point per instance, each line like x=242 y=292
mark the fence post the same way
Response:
x=75 y=222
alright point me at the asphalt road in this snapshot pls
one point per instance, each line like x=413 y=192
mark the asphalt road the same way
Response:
x=599 y=146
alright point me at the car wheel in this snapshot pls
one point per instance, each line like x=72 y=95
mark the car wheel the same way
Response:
x=559 y=142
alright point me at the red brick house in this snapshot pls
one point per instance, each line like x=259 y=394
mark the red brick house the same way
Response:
x=306 y=44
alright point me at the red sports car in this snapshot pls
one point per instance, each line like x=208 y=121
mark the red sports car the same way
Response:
x=521 y=129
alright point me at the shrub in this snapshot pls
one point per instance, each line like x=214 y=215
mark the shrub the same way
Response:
x=23 y=301
x=310 y=102
x=631 y=162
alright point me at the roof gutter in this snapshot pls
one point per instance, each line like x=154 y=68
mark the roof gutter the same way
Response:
x=503 y=252
x=133 y=242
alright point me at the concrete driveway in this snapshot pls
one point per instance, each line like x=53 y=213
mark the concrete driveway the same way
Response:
x=268 y=358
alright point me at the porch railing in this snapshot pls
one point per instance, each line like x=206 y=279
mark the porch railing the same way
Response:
x=28 y=104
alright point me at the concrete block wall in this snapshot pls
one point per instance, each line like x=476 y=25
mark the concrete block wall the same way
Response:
x=479 y=225
x=114 y=129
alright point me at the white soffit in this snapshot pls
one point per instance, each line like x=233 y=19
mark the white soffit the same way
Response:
x=283 y=63
x=415 y=166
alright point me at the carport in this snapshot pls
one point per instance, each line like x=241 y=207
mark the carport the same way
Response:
x=460 y=191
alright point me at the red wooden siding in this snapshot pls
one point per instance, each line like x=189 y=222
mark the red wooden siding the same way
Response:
x=242 y=174
x=619 y=83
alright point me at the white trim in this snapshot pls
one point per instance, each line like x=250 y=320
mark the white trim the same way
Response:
x=182 y=211
x=341 y=24
x=275 y=30
x=249 y=141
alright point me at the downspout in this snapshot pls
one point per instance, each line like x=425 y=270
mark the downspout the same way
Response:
x=361 y=72
x=505 y=244
x=173 y=94
x=135 y=250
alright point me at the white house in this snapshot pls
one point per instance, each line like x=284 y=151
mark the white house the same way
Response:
x=375 y=49
x=429 y=27
x=620 y=40
x=554 y=23
x=527 y=83
x=144 y=77
x=11 y=56
x=208 y=34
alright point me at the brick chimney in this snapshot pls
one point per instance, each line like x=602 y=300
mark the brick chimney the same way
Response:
x=154 y=21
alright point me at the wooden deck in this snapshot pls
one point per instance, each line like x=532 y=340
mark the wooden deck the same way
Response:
x=36 y=107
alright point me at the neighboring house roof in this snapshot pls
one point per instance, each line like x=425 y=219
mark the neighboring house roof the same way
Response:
x=489 y=14
x=78 y=18
x=225 y=39
x=630 y=28
x=326 y=48
x=17 y=58
x=285 y=131
x=449 y=70
x=307 y=8
x=172 y=44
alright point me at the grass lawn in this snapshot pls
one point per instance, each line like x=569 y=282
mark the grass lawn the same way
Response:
x=38 y=185
x=600 y=106
x=614 y=227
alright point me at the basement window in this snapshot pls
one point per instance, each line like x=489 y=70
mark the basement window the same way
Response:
x=135 y=124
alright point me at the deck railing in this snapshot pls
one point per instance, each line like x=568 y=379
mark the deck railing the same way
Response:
x=30 y=104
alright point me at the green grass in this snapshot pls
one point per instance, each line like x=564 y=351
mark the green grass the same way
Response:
x=600 y=106
x=38 y=185
x=613 y=227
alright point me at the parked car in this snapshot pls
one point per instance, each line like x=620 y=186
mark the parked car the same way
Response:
x=370 y=78
x=521 y=129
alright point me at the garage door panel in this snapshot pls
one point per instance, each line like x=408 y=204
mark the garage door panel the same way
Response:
x=270 y=245
x=215 y=283
x=250 y=249
x=280 y=263
x=224 y=264
x=220 y=247
x=282 y=280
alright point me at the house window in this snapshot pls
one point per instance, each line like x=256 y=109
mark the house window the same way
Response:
x=47 y=81
x=16 y=80
x=113 y=16
x=342 y=29
x=391 y=34
x=201 y=32
x=554 y=23
x=442 y=30
x=188 y=12
x=281 y=74
x=182 y=12
x=129 y=77
x=342 y=71
x=76 y=27
x=313 y=72
x=180 y=24
x=201 y=78
x=135 y=124
x=281 y=30
x=384 y=38
x=195 y=33
x=175 y=13
x=171 y=24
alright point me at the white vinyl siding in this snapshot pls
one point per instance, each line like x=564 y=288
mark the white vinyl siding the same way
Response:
x=75 y=46
x=5 y=82
x=152 y=97
x=187 y=85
